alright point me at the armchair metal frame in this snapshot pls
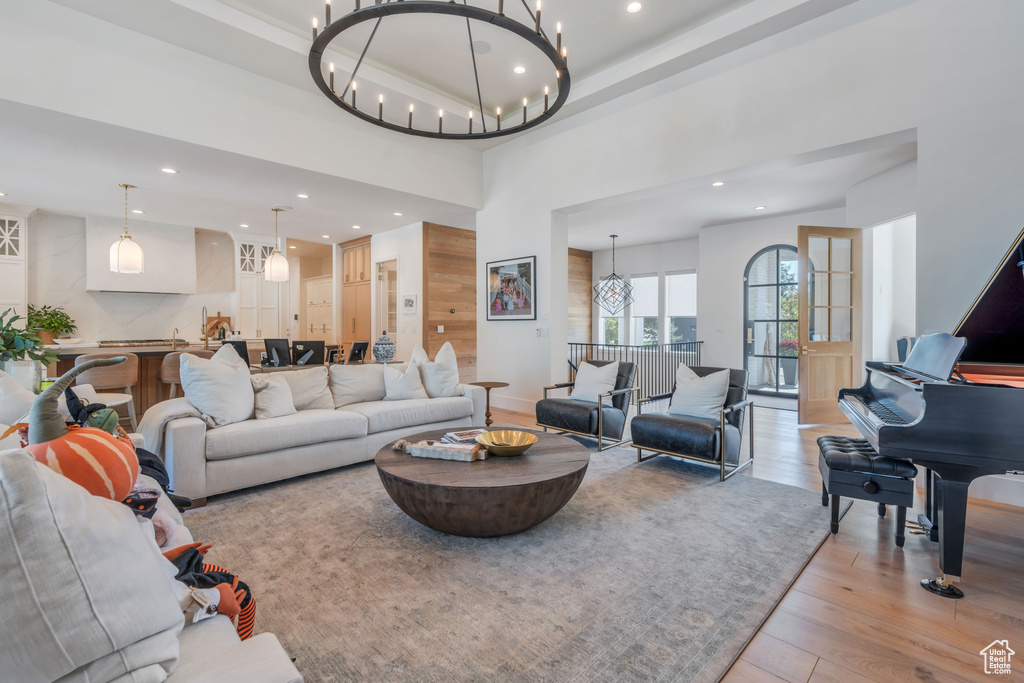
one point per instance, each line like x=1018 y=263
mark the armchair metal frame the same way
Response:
x=600 y=415
x=723 y=474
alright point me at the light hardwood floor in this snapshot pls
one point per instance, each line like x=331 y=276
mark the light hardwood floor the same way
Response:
x=856 y=613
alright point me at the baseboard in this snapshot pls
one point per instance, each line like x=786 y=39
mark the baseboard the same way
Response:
x=518 y=405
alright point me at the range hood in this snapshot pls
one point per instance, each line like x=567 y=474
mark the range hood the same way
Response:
x=170 y=257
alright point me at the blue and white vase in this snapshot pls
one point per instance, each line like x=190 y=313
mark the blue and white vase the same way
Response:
x=384 y=348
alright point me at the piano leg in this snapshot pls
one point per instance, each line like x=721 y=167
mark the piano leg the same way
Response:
x=952 y=518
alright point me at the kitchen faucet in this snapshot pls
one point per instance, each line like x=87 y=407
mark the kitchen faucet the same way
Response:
x=174 y=340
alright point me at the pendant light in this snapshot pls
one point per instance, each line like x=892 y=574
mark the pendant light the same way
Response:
x=612 y=293
x=125 y=253
x=275 y=268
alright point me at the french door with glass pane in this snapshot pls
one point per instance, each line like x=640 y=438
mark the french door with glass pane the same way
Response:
x=772 y=321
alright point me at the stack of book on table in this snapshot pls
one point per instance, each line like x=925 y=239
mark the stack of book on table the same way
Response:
x=464 y=436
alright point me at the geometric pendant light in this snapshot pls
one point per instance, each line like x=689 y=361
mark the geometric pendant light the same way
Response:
x=125 y=253
x=275 y=268
x=613 y=293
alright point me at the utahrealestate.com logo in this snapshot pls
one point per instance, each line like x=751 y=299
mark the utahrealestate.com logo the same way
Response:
x=997 y=657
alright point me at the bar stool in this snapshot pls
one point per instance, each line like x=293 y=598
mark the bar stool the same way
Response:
x=123 y=376
x=170 y=369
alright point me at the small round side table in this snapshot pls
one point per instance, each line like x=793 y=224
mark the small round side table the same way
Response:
x=487 y=393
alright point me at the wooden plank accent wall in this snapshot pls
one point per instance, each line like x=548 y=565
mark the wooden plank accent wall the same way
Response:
x=581 y=291
x=449 y=281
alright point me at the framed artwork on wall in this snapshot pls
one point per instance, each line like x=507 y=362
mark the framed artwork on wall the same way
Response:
x=409 y=304
x=511 y=289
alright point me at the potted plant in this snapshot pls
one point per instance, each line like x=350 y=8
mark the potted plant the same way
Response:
x=788 y=349
x=52 y=322
x=22 y=354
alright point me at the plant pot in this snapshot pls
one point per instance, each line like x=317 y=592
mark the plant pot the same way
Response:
x=789 y=370
x=28 y=373
x=46 y=336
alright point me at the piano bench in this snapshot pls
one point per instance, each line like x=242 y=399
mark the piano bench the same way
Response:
x=851 y=467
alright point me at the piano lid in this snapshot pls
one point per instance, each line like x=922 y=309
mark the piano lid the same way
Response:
x=994 y=325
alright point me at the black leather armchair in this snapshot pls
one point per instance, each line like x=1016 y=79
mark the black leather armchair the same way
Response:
x=595 y=420
x=715 y=441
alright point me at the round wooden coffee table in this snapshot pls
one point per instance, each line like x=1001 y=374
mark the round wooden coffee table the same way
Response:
x=491 y=497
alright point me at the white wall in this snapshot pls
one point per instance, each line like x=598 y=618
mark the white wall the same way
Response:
x=893 y=306
x=725 y=251
x=57 y=278
x=406 y=246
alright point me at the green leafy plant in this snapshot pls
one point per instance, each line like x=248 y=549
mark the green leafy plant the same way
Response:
x=52 y=319
x=18 y=343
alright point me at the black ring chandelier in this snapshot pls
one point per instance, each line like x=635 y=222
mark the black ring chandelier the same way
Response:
x=532 y=33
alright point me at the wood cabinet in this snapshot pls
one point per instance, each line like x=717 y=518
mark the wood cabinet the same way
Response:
x=355 y=263
x=319 y=309
x=355 y=312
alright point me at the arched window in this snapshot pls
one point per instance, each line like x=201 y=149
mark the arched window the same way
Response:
x=771 y=329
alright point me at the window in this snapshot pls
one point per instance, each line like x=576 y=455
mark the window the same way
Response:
x=681 y=307
x=772 y=327
x=610 y=331
x=644 y=310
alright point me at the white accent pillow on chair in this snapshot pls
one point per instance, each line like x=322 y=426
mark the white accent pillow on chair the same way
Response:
x=592 y=381
x=699 y=396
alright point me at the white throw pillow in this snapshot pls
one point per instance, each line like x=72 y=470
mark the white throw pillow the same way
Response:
x=271 y=396
x=220 y=387
x=699 y=396
x=592 y=381
x=403 y=386
x=356 y=384
x=85 y=593
x=309 y=388
x=15 y=400
x=440 y=378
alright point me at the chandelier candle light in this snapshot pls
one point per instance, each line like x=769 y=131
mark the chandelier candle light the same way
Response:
x=125 y=253
x=613 y=293
x=275 y=268
x=532 y=32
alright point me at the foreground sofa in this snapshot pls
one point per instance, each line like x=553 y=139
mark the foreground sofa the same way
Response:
x=205 y=460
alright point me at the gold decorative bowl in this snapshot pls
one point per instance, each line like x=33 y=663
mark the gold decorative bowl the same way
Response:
x=506 y=442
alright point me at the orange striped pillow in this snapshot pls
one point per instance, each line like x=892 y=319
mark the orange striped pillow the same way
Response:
x=102 y=464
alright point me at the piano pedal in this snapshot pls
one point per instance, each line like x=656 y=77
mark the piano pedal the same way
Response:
x=915 y=525
x=942 y=586
x=916 y=532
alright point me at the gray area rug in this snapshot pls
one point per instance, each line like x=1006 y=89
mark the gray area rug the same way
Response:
x=652 y=572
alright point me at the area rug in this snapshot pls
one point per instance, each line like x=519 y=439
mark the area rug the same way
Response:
x=654 y=571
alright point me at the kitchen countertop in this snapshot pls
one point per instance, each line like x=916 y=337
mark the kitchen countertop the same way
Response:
x=74 y=351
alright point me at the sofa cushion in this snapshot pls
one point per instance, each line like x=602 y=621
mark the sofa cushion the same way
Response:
x=15 y=400
x=272 y=397
x=403 y=386
x=309 y=388
x=219 y=387
x=85 y=593
x=579 y=416
x=440 y=378
x=383 y=416
x=298 y=429
x=684 y=435
x=357 y=384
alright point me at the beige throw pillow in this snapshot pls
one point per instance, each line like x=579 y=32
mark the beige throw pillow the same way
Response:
x=403 y=386
x=356 y=384
x=702 y=397
x=309 y=388
x=220 y=387
x=272 y=396
x=592 y=381
x=440 y=378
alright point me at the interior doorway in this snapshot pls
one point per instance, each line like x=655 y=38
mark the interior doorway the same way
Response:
x=387 y=296
x=771 y=324
x=311 y=291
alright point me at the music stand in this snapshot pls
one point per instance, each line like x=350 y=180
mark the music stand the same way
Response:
x=313 y=349
x=357 y=352
x=278 y=353
x=240 y=346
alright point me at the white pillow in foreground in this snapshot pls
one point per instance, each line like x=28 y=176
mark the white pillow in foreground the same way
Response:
x=402 y=386
x=699 y=396
x=592 y=381
x=440 y=378
x=220 y=387
x=272 y=395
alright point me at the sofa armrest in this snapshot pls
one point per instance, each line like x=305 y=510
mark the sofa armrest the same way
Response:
x=478 y=394
x=261 y=659
x=137 y=440
x=185 y=456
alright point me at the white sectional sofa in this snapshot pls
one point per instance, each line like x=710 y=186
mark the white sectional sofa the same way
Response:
x=205 y=460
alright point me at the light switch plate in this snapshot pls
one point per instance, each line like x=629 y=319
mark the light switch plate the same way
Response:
x=440 y=329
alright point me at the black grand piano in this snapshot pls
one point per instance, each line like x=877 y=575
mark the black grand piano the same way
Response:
x=954 y=407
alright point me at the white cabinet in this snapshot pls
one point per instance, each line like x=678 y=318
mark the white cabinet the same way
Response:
x=14 y=264
x=259 y=301
x=319 y=309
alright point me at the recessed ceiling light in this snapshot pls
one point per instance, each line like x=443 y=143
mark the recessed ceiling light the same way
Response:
x=168 y=170
x=244 y=225
x=397 y=213
x=326 y=237
x=292 y=246
x=760 y=208
x=3 y=194
x=520 y=69
x=137 y=211
x=356 y=227
x=303 y=196
x=634 y=7
x=717 y=183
